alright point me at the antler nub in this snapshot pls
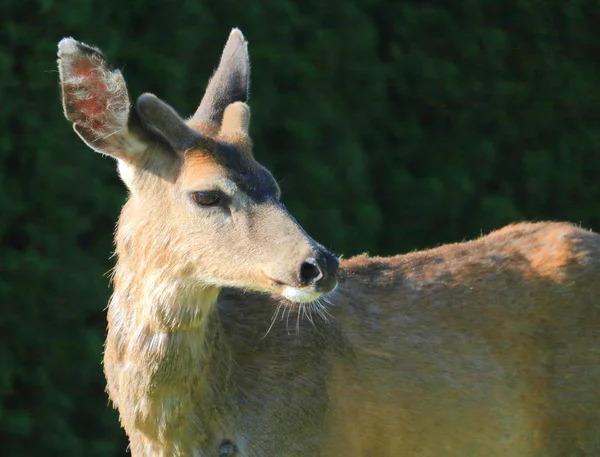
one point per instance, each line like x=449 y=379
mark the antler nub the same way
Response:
x=236 y=119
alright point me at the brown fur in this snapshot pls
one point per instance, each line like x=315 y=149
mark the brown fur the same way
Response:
x=484 y=348
x=468 y=349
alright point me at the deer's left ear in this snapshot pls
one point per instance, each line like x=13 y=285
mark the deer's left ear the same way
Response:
x=95 y=99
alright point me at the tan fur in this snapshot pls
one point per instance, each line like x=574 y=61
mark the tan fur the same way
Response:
x=199 y=168
x=488 y=348
x=491 y=348
x=469 y=349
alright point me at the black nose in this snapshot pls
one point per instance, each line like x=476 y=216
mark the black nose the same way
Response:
x=319 y=271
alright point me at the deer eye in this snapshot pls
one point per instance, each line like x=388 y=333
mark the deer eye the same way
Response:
x=207 y=197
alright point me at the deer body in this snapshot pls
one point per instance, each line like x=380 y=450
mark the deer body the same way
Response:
x=218 y=342
x=467 y=349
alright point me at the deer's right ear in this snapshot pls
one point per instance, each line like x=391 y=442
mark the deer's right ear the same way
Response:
x=95 y=99
x=230 y=83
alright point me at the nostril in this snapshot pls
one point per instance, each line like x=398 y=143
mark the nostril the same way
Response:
x=310 y=271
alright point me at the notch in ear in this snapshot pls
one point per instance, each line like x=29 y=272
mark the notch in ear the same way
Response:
x=95 y=99
x=230 y=82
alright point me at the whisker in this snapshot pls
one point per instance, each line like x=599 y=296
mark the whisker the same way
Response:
x=298 y=319
x=317 y=308
x=273 y=319
x=325 y=307
x=311 y=307
x=321 y=310
x=287 y=320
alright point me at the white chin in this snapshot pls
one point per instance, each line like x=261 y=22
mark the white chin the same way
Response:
x=299 y=295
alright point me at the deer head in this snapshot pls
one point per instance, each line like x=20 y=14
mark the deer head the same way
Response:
x=200 y=207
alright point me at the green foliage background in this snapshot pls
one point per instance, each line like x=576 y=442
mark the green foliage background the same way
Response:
x=393 y=125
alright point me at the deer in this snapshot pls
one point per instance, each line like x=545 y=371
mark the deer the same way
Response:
x=488 y=347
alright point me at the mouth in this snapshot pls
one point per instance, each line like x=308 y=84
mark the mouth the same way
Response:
x=296 y=295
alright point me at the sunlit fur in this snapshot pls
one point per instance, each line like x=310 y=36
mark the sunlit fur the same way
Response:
x=485 y=348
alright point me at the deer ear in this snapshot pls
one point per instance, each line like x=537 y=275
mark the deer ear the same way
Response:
x=230 y=83
x=95 y=99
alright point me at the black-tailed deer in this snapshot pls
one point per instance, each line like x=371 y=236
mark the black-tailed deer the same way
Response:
x=220 y=341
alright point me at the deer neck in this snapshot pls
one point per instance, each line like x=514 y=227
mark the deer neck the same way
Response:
x=161 y=317
x=164 y=337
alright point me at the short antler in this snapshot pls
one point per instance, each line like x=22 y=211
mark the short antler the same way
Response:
x=236 y=119
x=230 y=83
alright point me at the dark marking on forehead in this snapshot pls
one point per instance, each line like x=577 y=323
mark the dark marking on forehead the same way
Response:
x=241 y=168
x=251 y=177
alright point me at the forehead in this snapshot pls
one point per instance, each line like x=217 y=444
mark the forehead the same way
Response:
x=227 y=166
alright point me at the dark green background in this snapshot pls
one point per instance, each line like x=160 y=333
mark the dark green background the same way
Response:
x=391 y=126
